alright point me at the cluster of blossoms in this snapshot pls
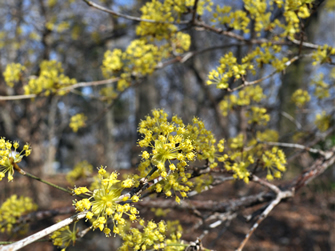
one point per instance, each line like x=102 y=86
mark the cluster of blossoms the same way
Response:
x=173 y=145
x=12 y=209
x=244 y=98
x=322 y=54
x=164 y=14
x=108 y=94
x=12 y=73
x=181 y=42
x=237 y=20
x=274 y=161
x=140 y=58
x=300 y=97
x=159 y=12
x=322 y=121
x=266 y=53
x=77 y=121
x=103 y=203
x=238 y=160
x=50 y=80
x=258 y=115
x=64 y=237
x=294 y=11
x=321 y=88
x=60 y=27
x=81 y=170
x=153 y=236
x=261 y=13
x=227 y=69
x=242 y=156
x=9 y=157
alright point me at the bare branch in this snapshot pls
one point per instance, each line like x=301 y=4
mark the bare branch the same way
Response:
x=312 y=150
x=32 y=238
x=290 y=118
x=280 y=195
x=195 y=6
x=137 y=19
x=68 y=88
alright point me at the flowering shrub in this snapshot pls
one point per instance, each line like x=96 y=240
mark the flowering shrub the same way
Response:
x=257 y=42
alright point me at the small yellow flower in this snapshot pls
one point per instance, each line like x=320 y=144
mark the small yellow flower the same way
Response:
x=64 y=236
x=9 y=157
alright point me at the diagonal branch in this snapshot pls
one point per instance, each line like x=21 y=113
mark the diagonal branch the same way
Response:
x=68 y=88
x=45 y=232
x=137 y=19
x=280 y=196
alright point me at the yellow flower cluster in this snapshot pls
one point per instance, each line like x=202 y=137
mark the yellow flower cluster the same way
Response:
x=12 y=209
x=322 y=121
x=239 y=160
x=322 y=54
x=174 y=145
x=181 y=42
x=139 y=59
x=103 y=203
x=261 y=13
x=274 y=161
x=64 y=237
x=237 y=20
x=268 y=54
x=258 y=11
x=321 y=88
x=78 y=121
x=300 y=97
x=162 y=15
x=12 y=73
x=258 y=115
x=51 y=79
x=9 y=157
x=244 y=97
x=81 y=170
x=108 y=93
x=267 y=135
x=227 y=69
x=153 y=236
x=242 y=156
x=257 y=149
x=112 y=62
x=202 y=182
x=293 y=12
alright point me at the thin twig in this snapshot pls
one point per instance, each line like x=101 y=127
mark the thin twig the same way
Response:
x=262 y=182
x=24 y=173
x=82 y=233
x=291 y=145
x=280 y=195
x=290 y=118
x=137 y=19
x=32 y=238
x=68 y=88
